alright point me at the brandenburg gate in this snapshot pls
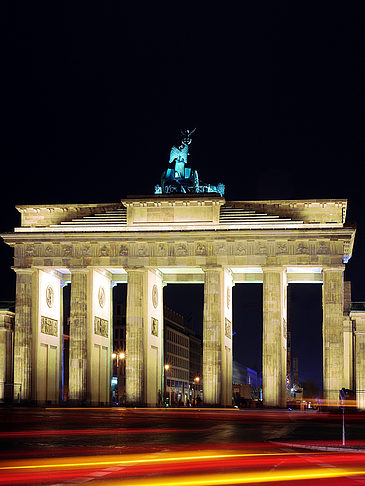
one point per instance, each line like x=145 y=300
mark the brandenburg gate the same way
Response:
x=169 y=237
x=151 y=241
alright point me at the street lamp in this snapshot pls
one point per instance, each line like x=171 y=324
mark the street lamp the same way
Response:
x=196 y=384
x=166 y=367
x=119 y=359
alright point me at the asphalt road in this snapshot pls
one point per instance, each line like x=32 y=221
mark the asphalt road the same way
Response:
x=178 y=447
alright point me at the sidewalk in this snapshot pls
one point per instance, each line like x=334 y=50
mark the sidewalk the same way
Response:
x=325 y=445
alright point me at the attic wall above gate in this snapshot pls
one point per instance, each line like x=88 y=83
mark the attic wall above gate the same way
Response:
x=182 y=209
x=183 y=231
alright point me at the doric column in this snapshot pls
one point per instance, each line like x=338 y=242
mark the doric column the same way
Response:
x=217 y=337
x=333 y=345
x=144 y=337
x=274 y=336
x=78 y=335
x=25 y=309
x=360 y=361
x=135 y=339
x=6 y=354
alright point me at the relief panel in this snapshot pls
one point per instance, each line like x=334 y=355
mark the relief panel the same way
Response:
x=49 y=326
x=101 y=327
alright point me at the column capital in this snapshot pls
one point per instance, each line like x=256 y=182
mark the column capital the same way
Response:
x=79 y=269
x=336 y=268
x=212 y=268
x=29 y=270
x=135 y=268
x=273 y=268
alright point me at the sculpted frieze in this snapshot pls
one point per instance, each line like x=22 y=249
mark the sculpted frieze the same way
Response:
x=49 y=250
x=86 y=251
x=221 y=248
x=201 y=249
x=281 y=248
x=142 y=250
x=323 y=247
x=302 y=248
x=261 y=248
x=240 y=248
x=29 y=251
x=181 y=249
x=123 y=250
x=250 y=250
x=104 y=251
x=162 y=250
x=67 y=250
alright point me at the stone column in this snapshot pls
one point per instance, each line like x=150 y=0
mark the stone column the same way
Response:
x=25 y=309
x=144 y=338
x=274 y=336
x=360 y=361
x=135 y=339
x=227 y=345
x=6 y=354
x=78 y=336
x=217 y=337
x=333 y=345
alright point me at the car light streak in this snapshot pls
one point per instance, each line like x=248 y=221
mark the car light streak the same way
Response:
x=239 y=478
x=135 y=459
x=62 y=432
x=208 y=467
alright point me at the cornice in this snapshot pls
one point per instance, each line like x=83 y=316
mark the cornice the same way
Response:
x=304 y=231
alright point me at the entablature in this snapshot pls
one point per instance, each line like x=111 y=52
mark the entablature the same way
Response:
x=260 y=247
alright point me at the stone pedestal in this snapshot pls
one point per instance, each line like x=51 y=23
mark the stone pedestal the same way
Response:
x=333 y=337
x=23 y=334
x=217 y=337
x=274 y=336
x=78 y=336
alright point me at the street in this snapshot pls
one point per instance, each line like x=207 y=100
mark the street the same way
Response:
x=178 y=447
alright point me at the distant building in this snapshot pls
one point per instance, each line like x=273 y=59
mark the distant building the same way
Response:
x=183 y=357
x=119 y=346
x=241 y=374
x=176 y=348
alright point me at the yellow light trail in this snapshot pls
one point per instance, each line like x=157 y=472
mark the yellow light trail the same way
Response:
x=239 y=478
x=139 y=459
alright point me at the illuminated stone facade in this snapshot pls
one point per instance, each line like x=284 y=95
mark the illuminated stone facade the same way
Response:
x=156 y=240
x=6 y=354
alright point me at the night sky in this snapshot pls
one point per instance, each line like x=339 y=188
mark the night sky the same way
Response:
x=93 y=95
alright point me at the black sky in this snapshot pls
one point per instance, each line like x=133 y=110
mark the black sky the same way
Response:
x=93 y=95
